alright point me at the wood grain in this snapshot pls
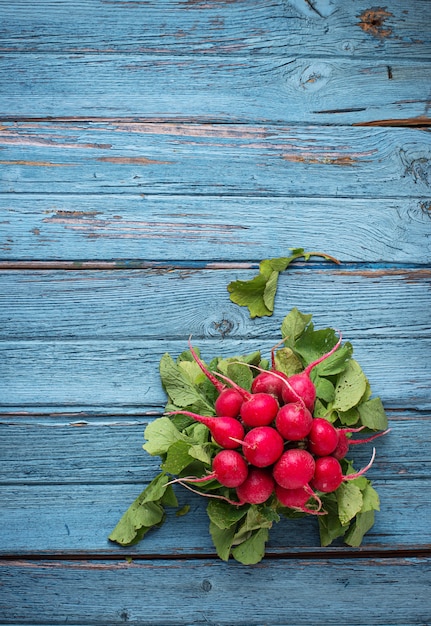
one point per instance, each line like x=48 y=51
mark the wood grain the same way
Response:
x=144 y=304
x=110 y=158
x=346 y=29
x=41 y=451
x=211 y=89
x=75 y=519
x=202 y=592
x=218 y=228
x=103 y=375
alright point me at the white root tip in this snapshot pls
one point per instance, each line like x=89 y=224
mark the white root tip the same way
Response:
x=363 y=470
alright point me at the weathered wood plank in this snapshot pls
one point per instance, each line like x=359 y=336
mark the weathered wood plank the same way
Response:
x=248 y=88
x=217 y=160
x=202 y=592
x=122 y=375
x=340 y=28
x=41 y=451
x=227 y=228
x=123 y=304
x=76 y=519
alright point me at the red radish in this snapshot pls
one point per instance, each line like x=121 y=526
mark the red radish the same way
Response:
x=298 y=498
x=294 y=421
x=328 y=474
x=322 y=438
x=229 y=469
x=226 y=431
x=228 y=403
x=269 y=382
x=257 y=409
x=344 y=442
x=260 y=409
x=301 y=384
x=262 y=446
x=294 y=469
x=257 y=487
x=342 y=447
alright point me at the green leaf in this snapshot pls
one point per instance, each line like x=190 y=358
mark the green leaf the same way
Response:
x=136 y=522
x=249 y=359
x=293 y=326
x=193 y=371
x=183 y=510
x=372 y=414
x=349 y=500
x=180 y=387
x=197 y=433
x=336 y=363
x=258 y=293
x=260 y=516
x=313 y=344
x=350 y=387
x=270 y=290
x=257 y=517
x=363 y=523
x=225 y=515
x=240 y=374
x=324 y=388
x=322 y=410
x=371 y=501
x=160 y=435
x=222 y=540
x=155 y=490
x=169 y=498
x=349 y=418
x=250 y=293
x=330 y=527
x=177 y=458
x=367 y=394
x=252 y=550
x=268 y=266
x=287 y=362
x=144 y=513
x=200 y=453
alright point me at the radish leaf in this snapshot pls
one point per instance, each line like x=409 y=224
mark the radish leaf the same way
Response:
x=258 y=293
x=252 y=550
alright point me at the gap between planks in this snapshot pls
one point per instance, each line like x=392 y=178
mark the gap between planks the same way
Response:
x=141 y=264
x=419 y=121
x=323 y=554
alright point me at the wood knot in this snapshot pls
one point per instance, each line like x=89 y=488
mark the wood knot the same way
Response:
x=224 y=327
x=315 y=76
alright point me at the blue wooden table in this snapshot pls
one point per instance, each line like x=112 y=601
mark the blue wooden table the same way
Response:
x=150 y=153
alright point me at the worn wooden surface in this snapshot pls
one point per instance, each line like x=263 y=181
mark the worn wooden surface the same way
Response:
x=150 y=153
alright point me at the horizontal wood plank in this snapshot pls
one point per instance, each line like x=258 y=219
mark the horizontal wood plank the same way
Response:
x=245 y=89
x=348 y=28
x=76 y=519
x=41 y=451
x=209 y=228
x=123 y=304
x=202 y=592
x=122 y=375
x=218 y=160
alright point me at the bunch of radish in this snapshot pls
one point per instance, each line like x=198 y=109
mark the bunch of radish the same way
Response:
x=270 y=443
